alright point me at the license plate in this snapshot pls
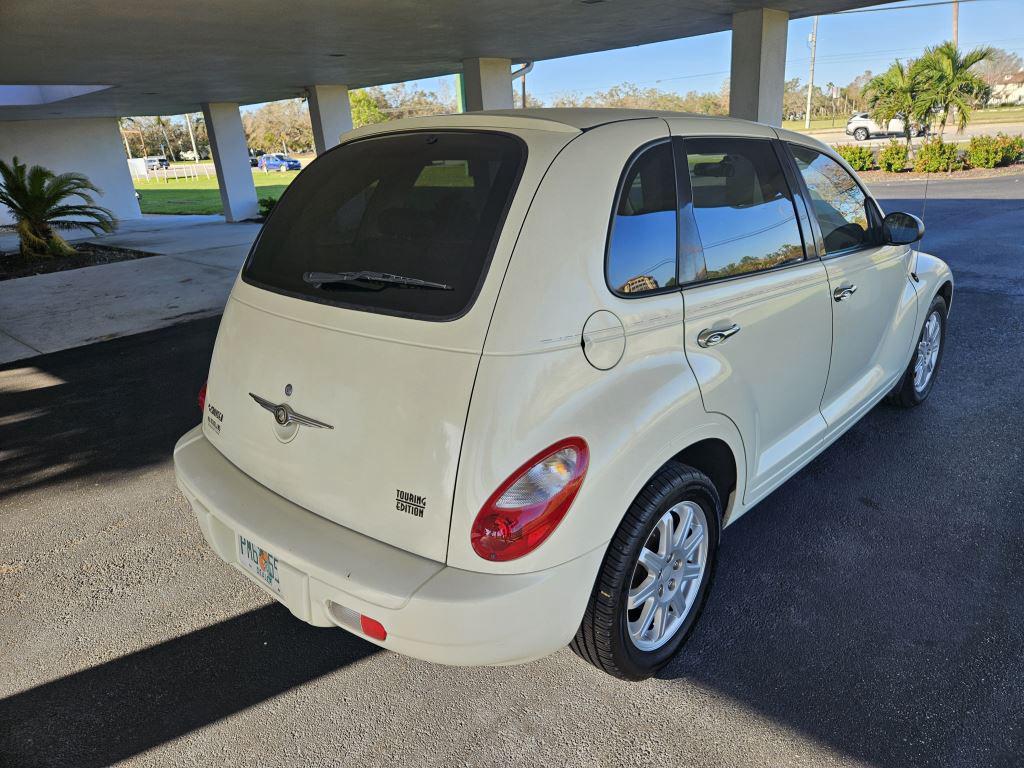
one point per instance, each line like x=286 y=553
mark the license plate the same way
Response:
x=262 y=564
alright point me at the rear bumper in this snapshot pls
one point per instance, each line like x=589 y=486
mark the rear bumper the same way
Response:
x=430 y=611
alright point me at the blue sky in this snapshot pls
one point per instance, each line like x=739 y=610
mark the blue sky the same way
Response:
x=847 y=45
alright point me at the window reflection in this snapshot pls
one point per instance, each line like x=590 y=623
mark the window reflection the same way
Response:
x=742 y=206
x=838 y=202
x=642 y=251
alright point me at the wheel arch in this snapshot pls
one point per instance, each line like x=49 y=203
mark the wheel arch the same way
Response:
x=714 y=448
x=935 y=279
x=946 y=292
x=714 y=457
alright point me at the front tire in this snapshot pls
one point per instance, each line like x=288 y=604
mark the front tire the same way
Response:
x=919 y=378
x=655 y=577
x=860 y=134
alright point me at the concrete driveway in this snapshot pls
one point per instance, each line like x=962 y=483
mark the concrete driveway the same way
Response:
x=199 y=258
x=867 y=613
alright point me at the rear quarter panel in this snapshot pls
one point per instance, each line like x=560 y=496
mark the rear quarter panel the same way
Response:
x=535 y=386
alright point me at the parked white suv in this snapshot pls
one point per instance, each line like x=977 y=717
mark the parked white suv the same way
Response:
x=862 y=127
x=493 y=383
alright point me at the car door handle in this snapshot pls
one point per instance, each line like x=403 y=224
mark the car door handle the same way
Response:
x=710 y=337
x=844 y=292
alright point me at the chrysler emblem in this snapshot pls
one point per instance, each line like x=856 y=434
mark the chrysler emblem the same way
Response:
x=284 y=415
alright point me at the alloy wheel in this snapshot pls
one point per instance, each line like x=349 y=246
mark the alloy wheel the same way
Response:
x=667 y=576
x=927 y=352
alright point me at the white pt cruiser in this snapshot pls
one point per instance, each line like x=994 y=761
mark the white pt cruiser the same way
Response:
x=493 y=383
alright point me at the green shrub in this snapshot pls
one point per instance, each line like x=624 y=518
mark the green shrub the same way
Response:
x=984 y=152
x=935 y=155
x=267 y=205
x=1012 y=148
x=893 y=157
x=860 y=158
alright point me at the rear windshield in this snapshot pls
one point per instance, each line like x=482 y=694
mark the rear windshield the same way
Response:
x=403 y=224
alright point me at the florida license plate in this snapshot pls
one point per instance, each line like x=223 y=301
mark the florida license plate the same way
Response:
x=262 y=564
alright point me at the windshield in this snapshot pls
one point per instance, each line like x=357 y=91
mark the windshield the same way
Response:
x=426 y=206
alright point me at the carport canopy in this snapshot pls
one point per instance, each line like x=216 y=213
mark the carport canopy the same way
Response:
x=96 y=59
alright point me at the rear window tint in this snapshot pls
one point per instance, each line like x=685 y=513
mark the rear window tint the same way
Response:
x=427 y=206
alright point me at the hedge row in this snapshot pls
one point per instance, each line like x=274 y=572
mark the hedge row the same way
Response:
x=935 y=155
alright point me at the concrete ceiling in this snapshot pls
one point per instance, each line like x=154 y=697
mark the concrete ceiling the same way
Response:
x=168 y=57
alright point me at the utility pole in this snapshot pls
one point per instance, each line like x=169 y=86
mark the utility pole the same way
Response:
x=127 y=148
x=813 y=41
x=192 y=136
x=956 y=23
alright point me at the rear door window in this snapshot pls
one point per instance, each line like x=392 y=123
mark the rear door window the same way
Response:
x=742 y=206
x=406 y=223
x=642 y=247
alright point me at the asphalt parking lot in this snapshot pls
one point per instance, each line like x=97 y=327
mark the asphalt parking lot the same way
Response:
x=868 y=613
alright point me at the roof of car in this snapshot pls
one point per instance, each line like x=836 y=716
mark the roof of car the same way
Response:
x=578 y=119
x=584 y=118
x=563 y=120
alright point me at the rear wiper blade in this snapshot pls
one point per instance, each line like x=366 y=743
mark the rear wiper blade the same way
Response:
x=334 y=278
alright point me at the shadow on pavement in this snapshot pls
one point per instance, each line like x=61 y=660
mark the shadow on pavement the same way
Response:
x=123 y=707
x=103 y=409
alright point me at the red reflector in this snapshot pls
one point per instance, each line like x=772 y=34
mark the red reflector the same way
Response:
x=373 y=628
x=202 y=398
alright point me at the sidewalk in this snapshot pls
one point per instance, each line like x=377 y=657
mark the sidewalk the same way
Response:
x=199 y=259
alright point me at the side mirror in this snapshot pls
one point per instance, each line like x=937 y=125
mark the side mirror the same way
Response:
x=902 y=228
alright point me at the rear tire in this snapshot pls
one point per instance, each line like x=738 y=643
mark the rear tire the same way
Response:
x=662 y=558
x=919 y=378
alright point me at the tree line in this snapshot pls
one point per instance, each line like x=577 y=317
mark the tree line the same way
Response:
x=905 y=88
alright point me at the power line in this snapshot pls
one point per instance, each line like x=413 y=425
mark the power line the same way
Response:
x=902 y=7
x=836 y=58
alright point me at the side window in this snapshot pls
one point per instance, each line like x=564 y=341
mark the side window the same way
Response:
x=742 y=206
x=642 y=247
x=839 y=203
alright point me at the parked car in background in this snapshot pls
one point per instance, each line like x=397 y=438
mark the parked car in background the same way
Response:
x=862 y=127
x=278 y=162
x=157 y=162
x=423 y=428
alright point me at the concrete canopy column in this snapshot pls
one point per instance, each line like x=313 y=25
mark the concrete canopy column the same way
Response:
x=758 y=77
x=330 y=113
x=487 y=84
x=231 y=159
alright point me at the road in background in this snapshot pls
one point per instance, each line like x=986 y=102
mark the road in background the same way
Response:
x=867 y=613
x=839 y=135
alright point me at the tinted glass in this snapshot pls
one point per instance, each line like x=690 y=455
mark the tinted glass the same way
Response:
x=419 y=205
x=742 y=206
x=838 y=202
x=642 y=250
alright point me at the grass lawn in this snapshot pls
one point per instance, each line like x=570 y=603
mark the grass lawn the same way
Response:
x=185 y=196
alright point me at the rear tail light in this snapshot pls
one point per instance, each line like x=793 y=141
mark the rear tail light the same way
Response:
x=531 y=503
x=202 y=398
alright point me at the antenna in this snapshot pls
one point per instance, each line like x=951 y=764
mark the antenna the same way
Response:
x=924 y=207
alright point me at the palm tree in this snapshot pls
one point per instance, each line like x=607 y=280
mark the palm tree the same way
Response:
x=948 y=84
x=39 y=202
x=162 y=124
x=895 y=93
